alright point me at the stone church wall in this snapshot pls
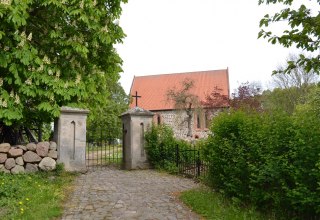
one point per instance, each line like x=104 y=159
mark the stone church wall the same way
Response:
x=177 y=120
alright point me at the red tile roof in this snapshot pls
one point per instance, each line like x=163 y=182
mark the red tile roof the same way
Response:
x=153 y=88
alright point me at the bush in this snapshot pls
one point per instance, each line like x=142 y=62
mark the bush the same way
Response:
x=268 y=159
x=161 y=147
x=160 y=144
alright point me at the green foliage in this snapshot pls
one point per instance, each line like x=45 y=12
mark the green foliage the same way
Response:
x=212 y=205
x=287 y=99
x=33 y=196
x=314 y=100
x=161 y=146
x=104 y=117
x=302 y=32
x=268 y=159
x=281 y=99
x=55 y=53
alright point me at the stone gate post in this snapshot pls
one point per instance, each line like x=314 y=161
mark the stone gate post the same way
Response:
x=71 y=138
x=135 y=123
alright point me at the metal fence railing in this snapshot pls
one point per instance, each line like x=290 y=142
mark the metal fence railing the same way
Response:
x=102 y=149
x=189 y=161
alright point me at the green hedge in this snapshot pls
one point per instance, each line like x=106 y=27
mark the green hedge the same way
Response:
x=271 y=160
x=161 y=147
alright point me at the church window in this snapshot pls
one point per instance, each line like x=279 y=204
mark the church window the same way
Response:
x=198 y=122
x=206 y=120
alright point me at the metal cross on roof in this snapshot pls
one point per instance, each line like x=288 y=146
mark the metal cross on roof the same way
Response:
x=136 y=96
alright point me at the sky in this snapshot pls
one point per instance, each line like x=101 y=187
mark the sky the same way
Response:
x=173 y=36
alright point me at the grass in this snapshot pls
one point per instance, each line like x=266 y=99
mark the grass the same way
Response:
x=34 y=196
x=211 y=205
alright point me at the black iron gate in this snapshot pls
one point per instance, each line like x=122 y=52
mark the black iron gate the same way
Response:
x=190 y=162
x=103 y=148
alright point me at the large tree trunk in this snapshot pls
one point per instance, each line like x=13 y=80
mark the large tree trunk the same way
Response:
x=189 y=120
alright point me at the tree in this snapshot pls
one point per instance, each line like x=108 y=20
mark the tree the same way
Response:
x=291 y=88
x=247 y=97
x=303 y=32
x=215 y=99
x=104 y=119
x=280 y=99
x=297 y=78
x=314 y=100
x=55 y=53
x=214 y=102
x=184 y=100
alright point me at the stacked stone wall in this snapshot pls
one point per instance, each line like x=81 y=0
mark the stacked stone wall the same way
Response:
x=177 y=121
x=28 y=158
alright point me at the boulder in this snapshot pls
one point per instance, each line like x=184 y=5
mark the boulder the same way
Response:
x=53 y=154
x=31 y=146
x=3 y=157
x=17 y=169
x=47 y=164
x=24 y=148
x=4 y=147
x=10 y=163
x=53 y=145
x=31 y=157
x=44 y=143
x=43 y=149
x=19 y=161
x=15 y=152
x=3 y=169
x=31 y=168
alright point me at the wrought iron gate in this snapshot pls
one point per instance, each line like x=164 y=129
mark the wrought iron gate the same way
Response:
x=190 y=162
x=103 y=148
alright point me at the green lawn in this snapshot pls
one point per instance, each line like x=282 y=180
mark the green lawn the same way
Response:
x=34 y=196
x=211 y=205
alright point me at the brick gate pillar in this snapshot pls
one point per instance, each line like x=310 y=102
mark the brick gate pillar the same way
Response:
x=70 y=135
x=135 y=123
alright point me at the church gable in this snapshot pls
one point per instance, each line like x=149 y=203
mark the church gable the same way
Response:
x=152 y=91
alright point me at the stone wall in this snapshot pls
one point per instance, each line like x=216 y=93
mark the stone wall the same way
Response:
x=28 y=158
x=177 y=121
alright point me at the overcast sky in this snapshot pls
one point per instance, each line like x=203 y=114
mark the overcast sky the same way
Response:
x=172 y=36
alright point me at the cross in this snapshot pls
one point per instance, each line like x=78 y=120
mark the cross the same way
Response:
x=136 y=96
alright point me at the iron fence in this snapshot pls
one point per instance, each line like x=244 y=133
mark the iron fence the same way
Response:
x=189 y=161
x=102 y=149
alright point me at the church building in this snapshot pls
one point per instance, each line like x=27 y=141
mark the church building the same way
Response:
x=152 y=92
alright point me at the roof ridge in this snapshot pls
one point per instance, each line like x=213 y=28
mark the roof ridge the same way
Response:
x=153 y=88
x=161 y=74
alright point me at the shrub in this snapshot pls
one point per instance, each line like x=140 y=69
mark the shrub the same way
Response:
x=161 y=147
x=160 y=144
x=268 y=159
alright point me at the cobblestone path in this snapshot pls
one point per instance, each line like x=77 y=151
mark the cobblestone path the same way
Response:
x=118 y=194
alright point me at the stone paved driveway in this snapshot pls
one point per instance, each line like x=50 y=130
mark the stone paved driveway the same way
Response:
x=118 y=194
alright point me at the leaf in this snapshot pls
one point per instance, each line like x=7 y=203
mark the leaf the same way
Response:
x=44 y=106
x=3 y=60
